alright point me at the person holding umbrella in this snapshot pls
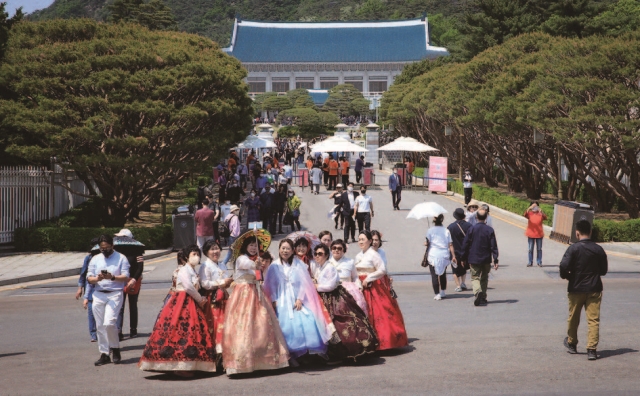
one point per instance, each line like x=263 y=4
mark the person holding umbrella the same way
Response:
x=440 y=248
x=124 y=243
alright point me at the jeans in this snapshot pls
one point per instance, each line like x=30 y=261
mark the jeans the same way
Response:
x=325 y=176
x=480 y=278
x=396 y=197
x=133 y=313
x=296 y=222
x=93 y=332
x=468 y=192
x=438 y=281
x=243 y=181
x=538 y=243
x=317 y=187
x=230 y=252
x=349 y=228
x=339 y=217
x=277 y=219
x=409 y=177
x=591 y=303
x=364 y=221
x=358 y=176
x=333 y=180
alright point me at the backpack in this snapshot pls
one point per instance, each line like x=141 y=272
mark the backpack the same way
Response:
x=225 y=231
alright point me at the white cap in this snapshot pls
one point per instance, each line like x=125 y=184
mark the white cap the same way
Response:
x=125 y=232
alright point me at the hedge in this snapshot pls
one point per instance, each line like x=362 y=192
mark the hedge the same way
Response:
x=65 y=239
x=603 y=230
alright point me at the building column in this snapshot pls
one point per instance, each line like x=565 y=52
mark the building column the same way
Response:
x=365 y=83
x=268 y=86
x=316 y=81
x=292 y=81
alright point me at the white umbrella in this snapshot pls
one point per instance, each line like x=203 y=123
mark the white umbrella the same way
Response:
x=426 y=209
x=254 y=142
x=406 y=144
x=337 y=144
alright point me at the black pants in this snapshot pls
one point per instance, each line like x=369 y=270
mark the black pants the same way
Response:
x=396 y=197
x=339 y=217
x=333 y=180
x=345 y=180
x=358 y=176
x=296 y=222
x=277 y=219
x=364 y=219
x=216 y=231
x=325 y=176
x=267 y=220
x=468 y=192
x=349 y=227
x=434 y=279
x=133 y=312
x=462 y=268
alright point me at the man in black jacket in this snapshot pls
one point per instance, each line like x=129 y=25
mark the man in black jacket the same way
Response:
x=582 y=265
x=347 y=205
x=479 y=247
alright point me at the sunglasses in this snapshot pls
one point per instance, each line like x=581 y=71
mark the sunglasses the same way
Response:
x=338 y=248
x=319 y=254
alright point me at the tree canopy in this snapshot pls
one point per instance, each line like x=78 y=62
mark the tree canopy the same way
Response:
x=130 y=109
x=154 y=15
x=6 y=24
x=346 y=100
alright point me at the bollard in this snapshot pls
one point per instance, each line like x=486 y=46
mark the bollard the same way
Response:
x=163 y=207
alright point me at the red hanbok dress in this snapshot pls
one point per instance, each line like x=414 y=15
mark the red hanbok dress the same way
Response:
x=384 y=312
x=180 y=340
x=212 y=277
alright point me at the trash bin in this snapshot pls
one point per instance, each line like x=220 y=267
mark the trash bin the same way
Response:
x=565 y=216
x=367 y=176
x=303 y=177
x=184 y=227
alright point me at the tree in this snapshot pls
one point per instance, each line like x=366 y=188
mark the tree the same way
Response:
x=341 y=100
x=277 y=103
x=306 y=120
x=154 y=15
x=258 y=101
x=6 y=24
x=620 y=17
x=300 y=97
x=133 y=110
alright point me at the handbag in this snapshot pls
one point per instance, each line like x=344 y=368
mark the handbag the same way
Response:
x=135 y=289
x=288 y=219
x=296 y=213
x=425 y=259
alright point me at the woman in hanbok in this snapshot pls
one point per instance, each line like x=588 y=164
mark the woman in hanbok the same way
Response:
x=297 y=303
x=252 y=339
x=303 y=251
x=384 y=312
x=376 y=244
x=180 y=341
x=214 y=282
x=347 y=272
x=356 y=336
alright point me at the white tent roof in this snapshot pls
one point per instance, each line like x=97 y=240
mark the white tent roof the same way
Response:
x=337 y=144
x=407 y=144
x=254 y=142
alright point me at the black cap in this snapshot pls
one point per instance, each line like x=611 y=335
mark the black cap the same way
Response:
x=458 y=214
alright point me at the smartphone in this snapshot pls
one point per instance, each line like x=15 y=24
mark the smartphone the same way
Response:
x=104 y=272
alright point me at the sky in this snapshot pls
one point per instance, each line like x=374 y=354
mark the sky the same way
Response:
x=28 y=6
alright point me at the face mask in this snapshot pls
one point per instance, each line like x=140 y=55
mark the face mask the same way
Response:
x=194 y=260
x=395 y=172
x=535 y=210
x=363 y=192
x=272 y=191
x=107 y=252
x=253 y=194
x=350 y=189
x=291 y=195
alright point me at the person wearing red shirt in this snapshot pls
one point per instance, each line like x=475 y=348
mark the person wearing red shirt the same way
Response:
x=204 y=223
x=333 y=173
x=535 y=231
x=344 y=171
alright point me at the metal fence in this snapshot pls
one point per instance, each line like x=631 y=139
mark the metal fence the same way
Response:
x=31 y=194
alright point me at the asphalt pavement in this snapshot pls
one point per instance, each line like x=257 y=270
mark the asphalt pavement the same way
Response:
x=511 y=346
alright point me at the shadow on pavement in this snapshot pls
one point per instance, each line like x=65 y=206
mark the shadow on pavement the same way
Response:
x=132 y=348
x=503 y=301
x=397 y=351
x=457 y=295
x=615 y=352
x=172 y=377
x=12 y=354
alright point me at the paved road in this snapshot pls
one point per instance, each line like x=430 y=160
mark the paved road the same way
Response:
x=512 y=346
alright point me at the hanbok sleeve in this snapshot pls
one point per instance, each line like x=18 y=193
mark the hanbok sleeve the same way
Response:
x=381 y=269
x=207 y=278
x=271 y=284
x=328 y=279
x=245 y=263
x=184 y=277
x=354 y=276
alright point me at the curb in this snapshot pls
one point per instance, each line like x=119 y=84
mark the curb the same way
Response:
x=65 y=273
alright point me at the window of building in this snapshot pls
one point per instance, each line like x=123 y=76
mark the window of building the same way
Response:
x=257 y=86
x=328 y=84
x=356 y=84
x=304 y=84
x=280 y=86
x=377 y=86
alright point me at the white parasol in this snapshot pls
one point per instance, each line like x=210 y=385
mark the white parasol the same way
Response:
x=337 y=144
x=426 y=209
x=254 y=142
x=406 y=144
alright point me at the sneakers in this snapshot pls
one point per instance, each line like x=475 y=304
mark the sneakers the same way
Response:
x=463 y=286
x=530 y=265
x=480 y=300
x=437 y=297
x=571 y=348
x=134 y=333
x=591 y=354
x=484 y=302
x=104 y=359
x=458 y=289
x=442 y=294
x=539 y=264
x=116 y=355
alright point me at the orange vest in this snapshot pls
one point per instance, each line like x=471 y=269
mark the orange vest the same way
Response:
x=345 y=167
x=333 y=168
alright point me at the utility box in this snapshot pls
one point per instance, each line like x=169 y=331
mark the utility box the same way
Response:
x=565 y=216
x=367 y=176
x=184 y=227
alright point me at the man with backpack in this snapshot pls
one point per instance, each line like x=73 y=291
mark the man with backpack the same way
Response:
x=231 y=229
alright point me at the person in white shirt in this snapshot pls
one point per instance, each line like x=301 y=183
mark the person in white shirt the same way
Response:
x=109 y=272
x=384 y=311
x=356 y=334
x=440 y=247
x=363 y=210
x=347 y=271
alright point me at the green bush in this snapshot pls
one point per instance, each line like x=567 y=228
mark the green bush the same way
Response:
x=65 y=239
x=86 y=214
x=616 y=231
x=192 y=192
x=418 y=172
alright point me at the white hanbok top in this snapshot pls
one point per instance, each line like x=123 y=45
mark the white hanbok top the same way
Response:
x=346 y=270
x=189 y=282
x=212 y=274
x=370 y=263
x=326 y=276
x=244 y=267
x=383 y=255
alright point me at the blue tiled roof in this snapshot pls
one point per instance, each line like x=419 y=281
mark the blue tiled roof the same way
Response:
x=332 y=42
x=318 y=96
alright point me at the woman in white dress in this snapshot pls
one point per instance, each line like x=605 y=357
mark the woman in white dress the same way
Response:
x=347 y=272
x=440 y=248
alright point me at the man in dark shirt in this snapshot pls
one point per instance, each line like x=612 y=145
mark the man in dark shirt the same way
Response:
x=479 y=247
x=582 y=265
x=347 y=205
x=458 y=230
x=358 y=168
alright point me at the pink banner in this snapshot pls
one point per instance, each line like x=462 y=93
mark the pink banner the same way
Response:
x=438 y=174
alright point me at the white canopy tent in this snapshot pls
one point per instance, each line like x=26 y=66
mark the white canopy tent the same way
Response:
x=254 y=142
x=337 y=144
x=407 y=144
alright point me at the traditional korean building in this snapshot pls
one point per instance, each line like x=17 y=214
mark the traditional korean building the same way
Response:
x=281 y=56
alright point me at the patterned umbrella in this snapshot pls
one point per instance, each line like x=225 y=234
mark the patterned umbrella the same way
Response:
x=124 y=245
x=313 y=240
x=264 y=241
